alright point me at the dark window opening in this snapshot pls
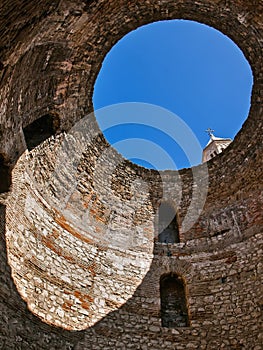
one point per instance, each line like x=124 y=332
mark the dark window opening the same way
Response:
x=40 y=130
x=174 y=311
x=168 y=225
x=5 y=176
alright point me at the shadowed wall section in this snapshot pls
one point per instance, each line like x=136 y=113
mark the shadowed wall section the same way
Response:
x=5 y=175
x=40 y=130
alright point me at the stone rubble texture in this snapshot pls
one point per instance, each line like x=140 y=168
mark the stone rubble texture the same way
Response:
x=80 y=265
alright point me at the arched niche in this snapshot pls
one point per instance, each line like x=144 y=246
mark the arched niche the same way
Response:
x=174 y=312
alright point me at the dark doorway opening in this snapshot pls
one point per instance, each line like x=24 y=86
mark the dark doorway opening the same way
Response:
x=174 y=311
x=40 y=130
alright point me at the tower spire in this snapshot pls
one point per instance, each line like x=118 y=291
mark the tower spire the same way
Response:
x=210 y=132
x=214 y=146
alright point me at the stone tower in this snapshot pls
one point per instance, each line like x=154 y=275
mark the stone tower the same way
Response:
x=215 y=146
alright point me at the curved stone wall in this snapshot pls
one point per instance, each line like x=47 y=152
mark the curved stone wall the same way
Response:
x=81 y=233
x=73 y=261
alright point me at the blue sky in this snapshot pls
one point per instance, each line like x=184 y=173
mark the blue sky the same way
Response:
x=186 y=67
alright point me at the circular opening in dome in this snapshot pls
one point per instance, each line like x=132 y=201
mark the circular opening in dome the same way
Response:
x=188 y=68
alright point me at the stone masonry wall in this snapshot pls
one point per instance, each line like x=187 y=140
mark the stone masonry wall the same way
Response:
x=80 y=263
x=76 y=269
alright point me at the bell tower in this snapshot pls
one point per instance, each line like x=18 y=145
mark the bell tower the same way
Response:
x=215 y=146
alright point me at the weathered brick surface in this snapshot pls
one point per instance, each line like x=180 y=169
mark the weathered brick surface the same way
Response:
x=78 y=247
